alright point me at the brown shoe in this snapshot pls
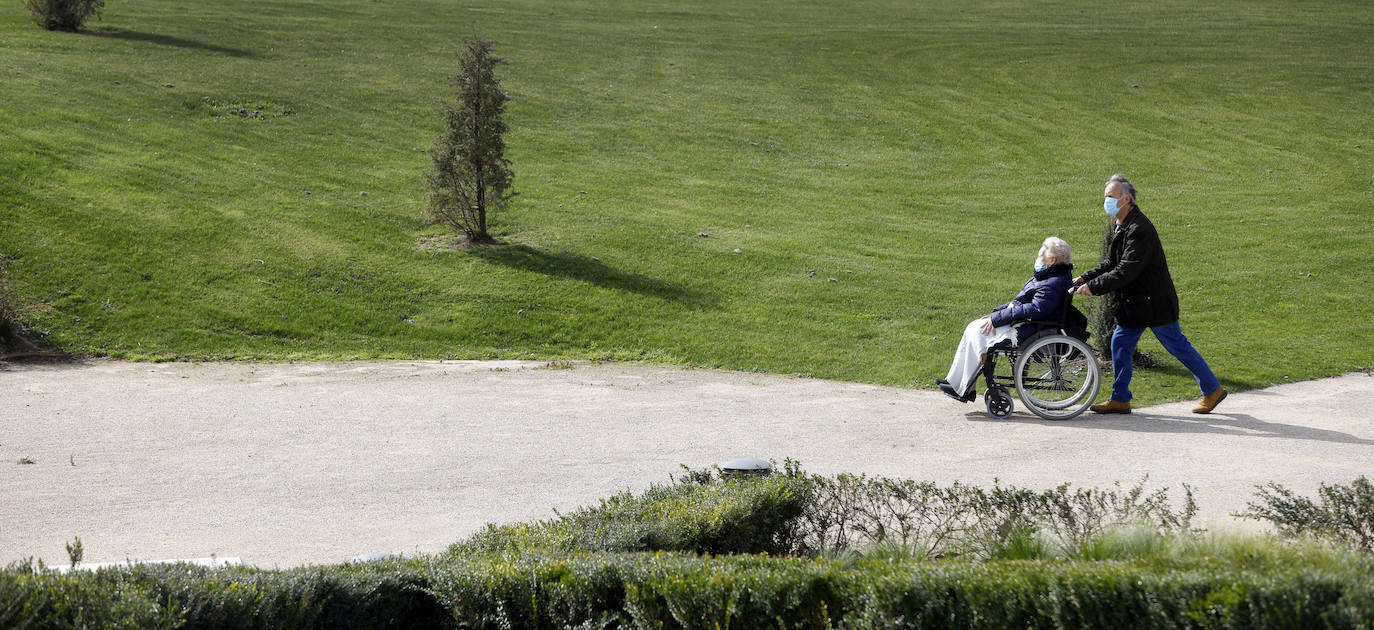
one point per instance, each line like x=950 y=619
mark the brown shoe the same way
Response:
x=1210 y=401
x=1112 y=406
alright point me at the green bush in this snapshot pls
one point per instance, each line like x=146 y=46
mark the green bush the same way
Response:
x=680 y=591
x=676 y=590
x=45 y=599
x=939 y=522
x=382 y=595
x=639 y=590
x=63 y=15
x=702 y=513
x=800 y=514
x=1090 y=558
x=1344 y=514
x=1108 y=595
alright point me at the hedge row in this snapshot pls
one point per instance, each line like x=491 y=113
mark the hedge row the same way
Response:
x=702 y=514
x=673 y=590
x=796 y=513
x=678 y=591
x=654 y=560
x=380 y=595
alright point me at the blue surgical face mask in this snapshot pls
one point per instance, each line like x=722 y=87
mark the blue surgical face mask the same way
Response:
x=1040 y=265
x=1109 y=204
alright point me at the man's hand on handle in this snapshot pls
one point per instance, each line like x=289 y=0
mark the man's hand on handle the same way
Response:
x=1082 y=286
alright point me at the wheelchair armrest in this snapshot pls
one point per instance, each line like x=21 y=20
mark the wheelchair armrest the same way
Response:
x=1039 y=322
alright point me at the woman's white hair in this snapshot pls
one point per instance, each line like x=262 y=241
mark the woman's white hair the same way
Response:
x=1059 y=250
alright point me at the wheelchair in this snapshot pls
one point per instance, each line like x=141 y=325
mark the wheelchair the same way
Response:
x=1055 y=374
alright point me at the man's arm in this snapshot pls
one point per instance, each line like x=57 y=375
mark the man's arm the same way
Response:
x=1088 y=275
x=1135 y=258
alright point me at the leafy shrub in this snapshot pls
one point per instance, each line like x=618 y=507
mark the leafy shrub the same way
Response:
x=676 y=590
x=380 y=595
x=699 y=515
x=1344 y=514
x=1162 y=575
x=855 y=511
x=679 y=591
x=810 y=515
x=800 y=514
x=63 y=15
x=638 y=590
x=45 y=599
x=1107 y=595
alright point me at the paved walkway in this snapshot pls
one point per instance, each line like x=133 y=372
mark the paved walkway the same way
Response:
x=289 y=464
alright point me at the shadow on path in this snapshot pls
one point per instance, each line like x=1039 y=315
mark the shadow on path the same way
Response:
x=167 y=40
x=589 y=270
x=1237 y=424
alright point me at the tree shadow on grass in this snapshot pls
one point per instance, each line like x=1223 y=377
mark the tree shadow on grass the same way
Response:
x=590 y=270
x=167 y=40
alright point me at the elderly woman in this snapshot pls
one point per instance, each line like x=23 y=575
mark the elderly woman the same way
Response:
x=1041 y=299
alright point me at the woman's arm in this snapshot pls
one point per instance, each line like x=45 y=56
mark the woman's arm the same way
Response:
x=1045 y=303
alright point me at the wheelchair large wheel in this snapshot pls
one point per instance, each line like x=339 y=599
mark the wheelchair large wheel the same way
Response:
x=1057 y=377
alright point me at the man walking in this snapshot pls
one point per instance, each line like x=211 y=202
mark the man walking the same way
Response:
x=1136 y=270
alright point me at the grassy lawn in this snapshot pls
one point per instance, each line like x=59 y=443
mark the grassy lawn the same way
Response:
x=886 y=169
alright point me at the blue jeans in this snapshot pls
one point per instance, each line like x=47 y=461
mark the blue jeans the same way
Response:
x=1124 y=341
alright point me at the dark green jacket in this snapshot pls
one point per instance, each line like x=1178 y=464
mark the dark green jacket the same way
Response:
x=1137 y=271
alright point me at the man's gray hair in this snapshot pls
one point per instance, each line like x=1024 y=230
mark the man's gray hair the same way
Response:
x=1126 y=187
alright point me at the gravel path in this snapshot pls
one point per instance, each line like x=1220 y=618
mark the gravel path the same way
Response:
x=290 y=464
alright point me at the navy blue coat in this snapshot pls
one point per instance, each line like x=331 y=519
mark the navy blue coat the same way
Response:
x=1041 y=298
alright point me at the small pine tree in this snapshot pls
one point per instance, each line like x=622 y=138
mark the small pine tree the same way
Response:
x=1102 y=315
x=470 y=178
x=63 y=15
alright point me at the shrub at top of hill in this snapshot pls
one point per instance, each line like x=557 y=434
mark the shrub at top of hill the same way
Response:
x=63 y=15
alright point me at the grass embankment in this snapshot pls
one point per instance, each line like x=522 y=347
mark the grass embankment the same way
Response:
x=243 y=180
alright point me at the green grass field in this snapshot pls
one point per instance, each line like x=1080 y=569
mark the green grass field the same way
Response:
x=886 y=169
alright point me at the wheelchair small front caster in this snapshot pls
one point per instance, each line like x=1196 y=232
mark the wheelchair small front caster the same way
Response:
x=999 y=402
